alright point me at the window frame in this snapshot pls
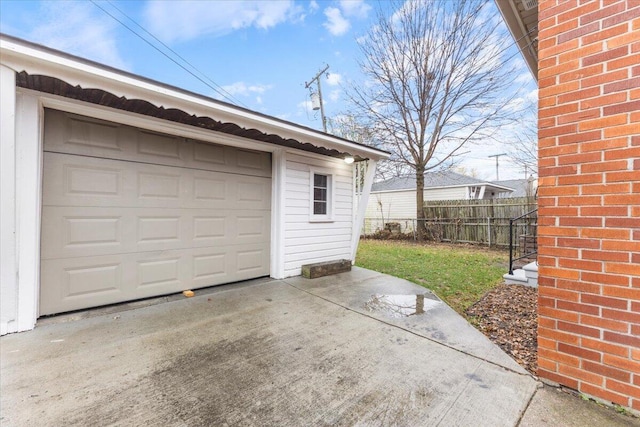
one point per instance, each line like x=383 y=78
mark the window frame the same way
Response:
x=328 y=217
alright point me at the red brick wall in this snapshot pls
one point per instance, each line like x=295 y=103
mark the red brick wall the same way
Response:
x=589 y=197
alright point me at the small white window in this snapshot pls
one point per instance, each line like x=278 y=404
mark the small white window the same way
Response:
x=321 y=196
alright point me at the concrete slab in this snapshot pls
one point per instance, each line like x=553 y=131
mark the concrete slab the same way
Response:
x=439 y=322
x=263 y=353
x=555 y=408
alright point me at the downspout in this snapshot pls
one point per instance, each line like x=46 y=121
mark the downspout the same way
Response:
x=362 y=207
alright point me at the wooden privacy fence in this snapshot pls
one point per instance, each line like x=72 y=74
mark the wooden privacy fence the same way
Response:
x=476 y=221
x=465 y=221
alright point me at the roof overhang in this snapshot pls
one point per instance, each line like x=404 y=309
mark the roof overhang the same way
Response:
x=46 y=70
x=521 y=17
x=498 y=188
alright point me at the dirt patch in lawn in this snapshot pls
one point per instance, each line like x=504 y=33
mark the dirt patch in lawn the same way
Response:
x=508 y=316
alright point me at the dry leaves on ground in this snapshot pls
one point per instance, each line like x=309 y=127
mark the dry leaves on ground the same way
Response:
x=508 y=316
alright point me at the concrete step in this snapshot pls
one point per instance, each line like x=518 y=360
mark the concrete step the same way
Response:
x=531 y=272
x=517 y=278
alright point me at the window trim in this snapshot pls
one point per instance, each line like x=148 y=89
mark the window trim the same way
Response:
x=328 y=217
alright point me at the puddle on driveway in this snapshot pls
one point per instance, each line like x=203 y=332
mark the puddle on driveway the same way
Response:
x=401 y=305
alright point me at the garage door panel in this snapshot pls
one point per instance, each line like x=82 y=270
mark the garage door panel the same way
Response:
x=210 y=156
x=75 y=232
x=210 y=190
x=258 y=163
x=215 y=190
x=84 y=181
x=74 y=134
x=156 y=145
x=211 y=265
x=86 y=231
x=88 y=134
x=99 y=280
x=160 y=273
x=252 y=193
x=72 y=284
x=240 y=262
x=250 y=260
x=159 y=187
x=116 y=227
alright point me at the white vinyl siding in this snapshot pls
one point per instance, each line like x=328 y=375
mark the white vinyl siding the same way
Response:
x=393 y=204
x=397 y=205
x=307 y=241
x=448 y=193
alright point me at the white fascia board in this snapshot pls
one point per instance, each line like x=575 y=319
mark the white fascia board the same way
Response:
x=35 y=60
x=514 y=23
x=477 y=184
x=499 y=187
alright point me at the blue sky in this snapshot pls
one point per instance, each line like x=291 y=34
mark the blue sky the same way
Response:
x=260 y=53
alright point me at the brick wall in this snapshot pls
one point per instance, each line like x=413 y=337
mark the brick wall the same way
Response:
x=589 y=197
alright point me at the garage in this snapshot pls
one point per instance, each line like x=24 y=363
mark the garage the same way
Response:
x=129 y=214
x=116 y=187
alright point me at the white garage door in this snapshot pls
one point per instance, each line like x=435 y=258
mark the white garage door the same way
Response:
x=129 y=214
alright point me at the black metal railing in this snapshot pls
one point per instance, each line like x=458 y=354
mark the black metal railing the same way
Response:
x=525 y=227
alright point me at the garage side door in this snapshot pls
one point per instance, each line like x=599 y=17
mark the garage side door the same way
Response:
x=129 y=214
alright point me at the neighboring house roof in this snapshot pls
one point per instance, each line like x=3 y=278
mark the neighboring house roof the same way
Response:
x=521 y=17
x=520 y=187
x=47 y=70
x=438 y=179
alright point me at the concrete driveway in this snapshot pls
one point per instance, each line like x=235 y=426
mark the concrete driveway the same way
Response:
x=348 y=349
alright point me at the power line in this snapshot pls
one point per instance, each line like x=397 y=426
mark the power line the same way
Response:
x=211 y=84
x=497 y=156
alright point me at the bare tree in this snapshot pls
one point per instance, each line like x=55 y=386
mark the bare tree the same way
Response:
x=523 y=149
x=350 y=127
x=435 y=80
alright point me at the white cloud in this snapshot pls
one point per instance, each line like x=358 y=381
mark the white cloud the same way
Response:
x=336 y=23
x=524 y=78
x=355 y=8
x=259 y=100
x=80 y=29
x=337 y=17
x=241 y=88
x=313 y=6
x=532 y=96
x=185 y=20
x=334 y=79
x=334 y=95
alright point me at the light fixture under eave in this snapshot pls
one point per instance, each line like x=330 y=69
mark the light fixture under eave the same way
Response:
x=348 y=160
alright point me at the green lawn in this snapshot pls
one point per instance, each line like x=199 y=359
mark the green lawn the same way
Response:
x=460 y=275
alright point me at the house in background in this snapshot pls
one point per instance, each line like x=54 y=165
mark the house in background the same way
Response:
x=115 y=187
x=586 y=58
x=395 y=199
x=521 y=187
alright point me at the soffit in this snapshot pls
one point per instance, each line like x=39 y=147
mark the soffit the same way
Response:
x=521 y=17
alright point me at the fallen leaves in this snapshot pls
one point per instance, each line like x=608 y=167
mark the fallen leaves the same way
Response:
x=507 y=315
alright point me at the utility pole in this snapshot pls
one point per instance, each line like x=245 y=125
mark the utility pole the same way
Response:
x=316 y=78
x=497 y=156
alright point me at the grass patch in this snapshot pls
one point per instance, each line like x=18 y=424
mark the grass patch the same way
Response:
x=460 y=275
